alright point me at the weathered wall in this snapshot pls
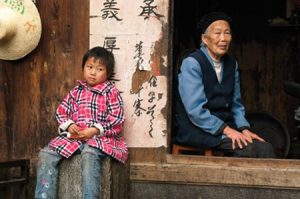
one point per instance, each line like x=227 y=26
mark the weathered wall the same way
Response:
x=137 y=33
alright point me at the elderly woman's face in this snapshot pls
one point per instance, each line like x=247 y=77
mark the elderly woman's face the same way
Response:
x=217 y=38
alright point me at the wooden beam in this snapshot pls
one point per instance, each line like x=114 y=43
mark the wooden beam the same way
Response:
x=221 y=171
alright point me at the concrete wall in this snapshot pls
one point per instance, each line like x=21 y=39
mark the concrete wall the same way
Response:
x=137 y=33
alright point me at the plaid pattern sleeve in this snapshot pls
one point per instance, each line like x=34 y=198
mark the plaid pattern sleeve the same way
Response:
x=65 y=109
x=115 y=113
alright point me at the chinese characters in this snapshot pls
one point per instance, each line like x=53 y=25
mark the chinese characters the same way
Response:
x=149 y=107
x=148 y=9
x=110 y=10
x=138 y=56
x=110 y=43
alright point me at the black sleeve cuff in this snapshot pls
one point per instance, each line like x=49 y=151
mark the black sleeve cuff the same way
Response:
x=244 y=128
x=221 y=129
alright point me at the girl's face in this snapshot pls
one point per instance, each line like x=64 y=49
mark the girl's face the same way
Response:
x=94 y=72
x=217 y=38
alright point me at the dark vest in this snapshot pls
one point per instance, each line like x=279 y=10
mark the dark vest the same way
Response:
x=219 y=96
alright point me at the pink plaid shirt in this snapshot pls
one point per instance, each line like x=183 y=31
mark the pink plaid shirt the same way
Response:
x=100 y=106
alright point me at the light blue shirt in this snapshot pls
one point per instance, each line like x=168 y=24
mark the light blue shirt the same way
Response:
x=191 y=90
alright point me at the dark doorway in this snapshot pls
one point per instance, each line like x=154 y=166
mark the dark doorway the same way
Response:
x=250 y=19
x=272 y=52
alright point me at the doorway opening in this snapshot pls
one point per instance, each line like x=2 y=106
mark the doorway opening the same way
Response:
x=252 y=37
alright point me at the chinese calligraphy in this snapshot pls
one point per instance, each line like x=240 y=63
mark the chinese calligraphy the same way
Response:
x=137 y=104
x=110 y=11
x=138 y=55
x=152 y=98
x=113 y=78
x=110 y=43
x=149 y=9
x=153 y=81
x=151 y=112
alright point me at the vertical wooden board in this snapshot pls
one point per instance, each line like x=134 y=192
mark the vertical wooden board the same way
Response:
x=263 y=68
x=3 y=114
x=43 y=78
x=5 y=126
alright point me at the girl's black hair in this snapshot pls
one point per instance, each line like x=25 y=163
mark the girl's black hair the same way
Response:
x=106 y=57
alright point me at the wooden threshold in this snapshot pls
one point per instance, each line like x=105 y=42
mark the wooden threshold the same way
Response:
x=199 y=170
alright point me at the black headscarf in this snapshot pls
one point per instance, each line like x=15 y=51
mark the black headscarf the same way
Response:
x=208 y=19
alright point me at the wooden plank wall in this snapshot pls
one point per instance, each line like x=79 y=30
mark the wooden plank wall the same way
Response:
x=32 y=87
x=264 y=66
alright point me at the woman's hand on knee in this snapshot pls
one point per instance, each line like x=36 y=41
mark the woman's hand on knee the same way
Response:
x=237 y=138
x=252 y=135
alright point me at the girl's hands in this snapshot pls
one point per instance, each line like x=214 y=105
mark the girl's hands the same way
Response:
x=73 y=129
x=88 y=133
x=83 y=134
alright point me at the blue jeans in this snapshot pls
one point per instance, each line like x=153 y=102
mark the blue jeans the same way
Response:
x=47 y=172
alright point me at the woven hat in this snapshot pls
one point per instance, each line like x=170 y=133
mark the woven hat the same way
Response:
x=20 y=28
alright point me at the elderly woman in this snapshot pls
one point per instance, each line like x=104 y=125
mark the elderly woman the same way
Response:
x=209 y=108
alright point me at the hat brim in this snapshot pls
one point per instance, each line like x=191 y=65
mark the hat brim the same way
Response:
x=27 y=31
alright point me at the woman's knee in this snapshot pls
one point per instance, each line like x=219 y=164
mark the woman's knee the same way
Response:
x=248 y=151
x=265 y=150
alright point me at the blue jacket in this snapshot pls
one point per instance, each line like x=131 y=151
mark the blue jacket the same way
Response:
x=200 y=119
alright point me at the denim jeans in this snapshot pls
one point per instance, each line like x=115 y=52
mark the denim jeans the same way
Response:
x=47 y=172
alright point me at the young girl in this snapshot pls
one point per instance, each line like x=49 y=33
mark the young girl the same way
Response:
x=90 y=120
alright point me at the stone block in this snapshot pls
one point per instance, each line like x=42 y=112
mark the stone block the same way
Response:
x=70 y=180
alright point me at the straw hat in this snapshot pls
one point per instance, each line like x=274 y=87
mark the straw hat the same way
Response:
x=20 y=28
